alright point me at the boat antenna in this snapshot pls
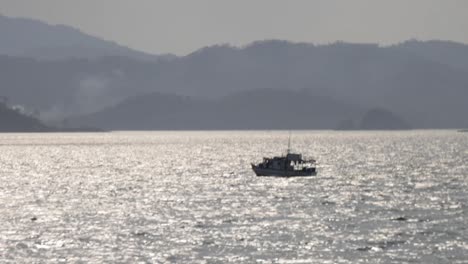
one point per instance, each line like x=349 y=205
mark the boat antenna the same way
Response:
x=289 y=142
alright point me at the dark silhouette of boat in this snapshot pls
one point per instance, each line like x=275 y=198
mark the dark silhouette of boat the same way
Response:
x=291 y=165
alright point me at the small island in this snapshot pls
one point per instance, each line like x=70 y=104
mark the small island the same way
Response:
x=375 y=119
x=381 y=119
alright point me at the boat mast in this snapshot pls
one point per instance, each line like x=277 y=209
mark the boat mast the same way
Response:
x=289 y=142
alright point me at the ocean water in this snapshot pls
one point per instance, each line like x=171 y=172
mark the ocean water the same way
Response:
x=191 y=197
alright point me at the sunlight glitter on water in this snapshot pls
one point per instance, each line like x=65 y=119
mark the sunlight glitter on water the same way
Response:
x=380 y=197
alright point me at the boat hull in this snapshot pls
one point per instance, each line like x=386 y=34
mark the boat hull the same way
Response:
x=265 y=172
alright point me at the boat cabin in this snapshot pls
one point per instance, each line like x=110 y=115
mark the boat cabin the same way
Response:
x=290 y=162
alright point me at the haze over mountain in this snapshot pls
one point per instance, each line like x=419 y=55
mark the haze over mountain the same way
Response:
x=13 y=120
x=33 y=38
x=423 y=83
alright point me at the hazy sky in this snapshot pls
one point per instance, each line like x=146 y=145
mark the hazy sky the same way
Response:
x=182 y=26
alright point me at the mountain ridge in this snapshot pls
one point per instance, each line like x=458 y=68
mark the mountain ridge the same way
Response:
x=33 y=38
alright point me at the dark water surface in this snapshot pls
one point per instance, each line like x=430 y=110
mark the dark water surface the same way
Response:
x=190 y=197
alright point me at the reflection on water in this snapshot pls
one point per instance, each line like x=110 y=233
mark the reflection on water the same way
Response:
x=379 y=197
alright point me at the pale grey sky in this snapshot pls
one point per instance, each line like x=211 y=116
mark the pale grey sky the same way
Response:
x=182 y=26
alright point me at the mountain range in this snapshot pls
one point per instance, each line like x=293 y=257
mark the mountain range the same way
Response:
x=266 y=84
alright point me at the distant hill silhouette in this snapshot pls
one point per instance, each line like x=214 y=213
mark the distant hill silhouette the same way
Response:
x=374 y=119
x=423 y=83
x=259 y=109
x=377 y=119
x=33 y=38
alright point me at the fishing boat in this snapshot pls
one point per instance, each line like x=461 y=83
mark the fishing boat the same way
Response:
x=289 y=165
